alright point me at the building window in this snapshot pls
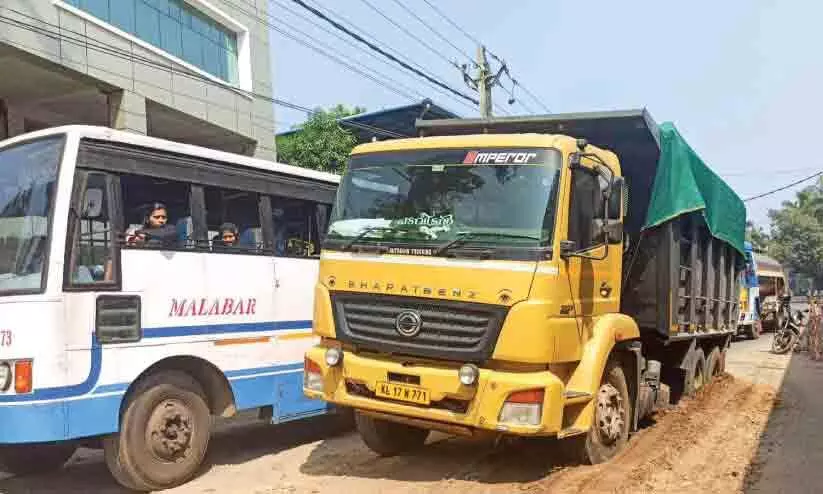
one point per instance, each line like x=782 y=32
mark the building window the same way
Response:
x=175 y=27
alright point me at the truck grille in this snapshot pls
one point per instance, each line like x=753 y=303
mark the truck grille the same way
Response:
x=445 y=329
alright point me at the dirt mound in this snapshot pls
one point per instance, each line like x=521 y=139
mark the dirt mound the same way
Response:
x=705 y=444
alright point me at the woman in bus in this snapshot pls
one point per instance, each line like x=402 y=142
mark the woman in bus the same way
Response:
x=227 y=237
x=156 y=231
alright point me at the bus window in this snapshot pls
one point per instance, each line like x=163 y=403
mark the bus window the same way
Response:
x=91 y=249
x=238 y=208
x=299 y=226
x=140 y=192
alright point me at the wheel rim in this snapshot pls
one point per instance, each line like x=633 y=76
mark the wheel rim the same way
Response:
x=169 y=431
x=782 y=340
x=611 y=414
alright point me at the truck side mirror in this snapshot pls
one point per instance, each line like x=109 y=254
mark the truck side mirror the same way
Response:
x=607 y=231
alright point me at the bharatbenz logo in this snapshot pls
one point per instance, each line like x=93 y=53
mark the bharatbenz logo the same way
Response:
x=499 y=158
x=412 y=290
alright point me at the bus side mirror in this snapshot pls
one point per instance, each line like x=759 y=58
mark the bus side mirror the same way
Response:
x=93 y=203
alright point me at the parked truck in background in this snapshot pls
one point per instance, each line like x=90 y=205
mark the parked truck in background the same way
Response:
x=749 y=323
x=772 y=287
x=536 y=276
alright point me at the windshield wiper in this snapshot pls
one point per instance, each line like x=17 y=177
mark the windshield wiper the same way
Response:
x=348 y=245
x=467 y=235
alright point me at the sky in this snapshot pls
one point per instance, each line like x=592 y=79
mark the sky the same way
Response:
x=741 y=79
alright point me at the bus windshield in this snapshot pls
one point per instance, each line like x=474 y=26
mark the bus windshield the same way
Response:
x=28 y=177
x=479 y=198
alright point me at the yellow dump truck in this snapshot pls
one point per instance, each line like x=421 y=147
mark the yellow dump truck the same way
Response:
x=548 y=276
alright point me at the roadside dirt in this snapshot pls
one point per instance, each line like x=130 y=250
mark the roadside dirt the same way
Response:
x=702 y=445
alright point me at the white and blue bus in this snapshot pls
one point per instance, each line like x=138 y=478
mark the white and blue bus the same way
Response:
x=136 y=345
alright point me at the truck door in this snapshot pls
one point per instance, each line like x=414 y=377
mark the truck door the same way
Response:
x=595 y=279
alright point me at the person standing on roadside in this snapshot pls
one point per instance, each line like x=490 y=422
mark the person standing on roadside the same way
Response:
x=813 y=329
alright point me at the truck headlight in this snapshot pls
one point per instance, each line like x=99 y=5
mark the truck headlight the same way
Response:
x=333 y=356
x=5 y=376
x=468 y=374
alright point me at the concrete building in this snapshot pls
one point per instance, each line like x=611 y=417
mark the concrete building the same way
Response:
x=183 y=70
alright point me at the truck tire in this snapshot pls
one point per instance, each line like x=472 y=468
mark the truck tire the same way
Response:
x=164 y=433
x=696 y=373
x=610 y=427
x=713 y=365
x=388 y=438
x=28 y=459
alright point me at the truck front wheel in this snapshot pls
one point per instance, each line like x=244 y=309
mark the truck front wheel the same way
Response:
x=388 y=438
x=610 y=430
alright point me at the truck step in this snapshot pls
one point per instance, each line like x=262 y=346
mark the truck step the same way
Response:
x=571 y=431
x=574 y=397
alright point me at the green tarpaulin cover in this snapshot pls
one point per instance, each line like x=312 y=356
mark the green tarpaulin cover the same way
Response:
x=684 y=183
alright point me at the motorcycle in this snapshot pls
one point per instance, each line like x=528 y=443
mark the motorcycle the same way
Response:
x=792 y=332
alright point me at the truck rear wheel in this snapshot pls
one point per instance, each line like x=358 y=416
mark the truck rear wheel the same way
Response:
x=28 y=459
x=713 y=365
x=696 y=373
x=388 y=438
x=610 y=428
x=164 y=433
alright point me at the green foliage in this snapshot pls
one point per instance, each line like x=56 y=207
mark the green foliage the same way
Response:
x=758 y=237
x=797 y=233
x=322 y=144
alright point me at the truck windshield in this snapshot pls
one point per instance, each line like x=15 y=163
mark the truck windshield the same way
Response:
x=483 y=198
x=28 y=178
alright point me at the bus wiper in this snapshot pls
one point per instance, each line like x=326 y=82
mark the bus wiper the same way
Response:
x=467 y=235
x=348 y=245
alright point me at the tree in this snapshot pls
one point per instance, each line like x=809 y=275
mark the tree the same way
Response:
x=321 y=143
x=797 y=233
x=758 y=237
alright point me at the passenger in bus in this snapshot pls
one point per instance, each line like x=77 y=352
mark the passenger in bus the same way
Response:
x=227 y=238
x=156 y=231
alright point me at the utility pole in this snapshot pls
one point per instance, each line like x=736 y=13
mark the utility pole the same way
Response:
x=485 y=80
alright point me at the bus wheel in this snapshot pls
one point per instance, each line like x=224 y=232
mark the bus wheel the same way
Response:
x=610 y=429
x=164 y=433
x=27 y=459
x=388 y=438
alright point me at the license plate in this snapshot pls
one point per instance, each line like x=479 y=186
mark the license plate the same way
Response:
x=401 y=392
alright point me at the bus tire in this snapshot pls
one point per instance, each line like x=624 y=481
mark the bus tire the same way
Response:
x=164 y=433
x=612 y=418
x=29 y=459
x=389 y=438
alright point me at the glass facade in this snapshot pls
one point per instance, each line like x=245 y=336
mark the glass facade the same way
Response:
x=175 y=27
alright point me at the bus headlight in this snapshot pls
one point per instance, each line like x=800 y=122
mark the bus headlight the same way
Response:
x=5 y=376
